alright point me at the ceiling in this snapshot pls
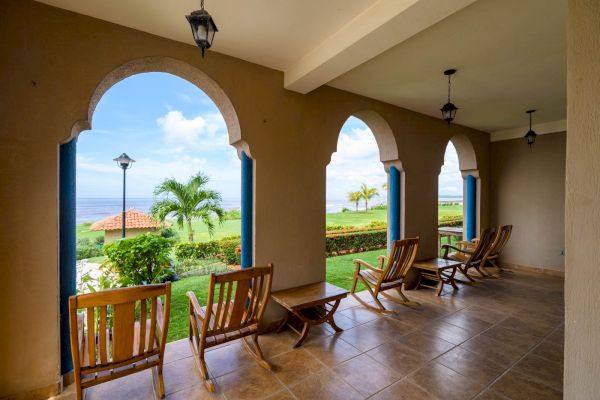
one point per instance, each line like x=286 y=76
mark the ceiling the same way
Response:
x=510 y=54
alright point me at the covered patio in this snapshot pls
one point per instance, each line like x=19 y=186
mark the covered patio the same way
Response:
x=500 y=340
x=285 y=77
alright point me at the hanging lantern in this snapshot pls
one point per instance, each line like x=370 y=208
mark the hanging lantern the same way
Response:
x=530 y=135
x=203 y=28
x=449 y=109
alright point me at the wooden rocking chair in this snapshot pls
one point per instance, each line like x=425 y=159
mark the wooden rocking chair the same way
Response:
x=379 y=279
x=236 y=313
x=493 y=253
x=474 y=255
x=108 y=341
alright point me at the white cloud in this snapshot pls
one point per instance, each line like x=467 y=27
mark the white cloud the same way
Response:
x=202 y=133
x=356 y=161
x=450 y=179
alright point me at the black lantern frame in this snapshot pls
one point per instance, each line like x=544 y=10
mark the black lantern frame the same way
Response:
x=203 y=28
x=449 y=109
x=530 y=135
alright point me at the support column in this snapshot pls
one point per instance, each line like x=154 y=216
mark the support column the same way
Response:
x=471 y=207
x=247 y=210
x=68 y=274
x=394 y=206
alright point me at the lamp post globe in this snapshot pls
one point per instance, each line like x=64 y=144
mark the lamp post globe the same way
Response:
x=124 y=162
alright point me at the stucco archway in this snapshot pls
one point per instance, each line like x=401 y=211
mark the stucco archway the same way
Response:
x=174 y=67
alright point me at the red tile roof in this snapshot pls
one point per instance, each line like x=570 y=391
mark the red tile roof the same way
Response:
x=134 y=219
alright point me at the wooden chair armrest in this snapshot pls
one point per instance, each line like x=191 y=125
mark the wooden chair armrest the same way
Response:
x=448 y=246
x=381 y=261
x=195 y=308
x=359 y=263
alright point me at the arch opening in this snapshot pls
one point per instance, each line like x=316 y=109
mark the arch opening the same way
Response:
x=363 y=172
x=182 y=132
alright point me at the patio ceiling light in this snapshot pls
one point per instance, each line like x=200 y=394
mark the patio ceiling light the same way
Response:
x=449 y=109
x=203 y=28
x=530 y=135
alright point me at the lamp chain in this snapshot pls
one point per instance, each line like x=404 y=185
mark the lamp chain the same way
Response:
x=449 y=76
x=202 y=4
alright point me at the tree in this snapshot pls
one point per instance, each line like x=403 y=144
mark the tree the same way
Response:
x=354 y=197
x=367 y=193
x=191 y=200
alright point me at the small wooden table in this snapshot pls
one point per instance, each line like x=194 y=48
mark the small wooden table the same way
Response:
x=439 y=270
x=313 y=304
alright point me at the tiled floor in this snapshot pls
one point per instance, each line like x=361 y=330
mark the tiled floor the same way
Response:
x=497 y=339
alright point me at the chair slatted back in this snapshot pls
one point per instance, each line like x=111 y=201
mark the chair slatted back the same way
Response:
x=400 y=259
x=241 y=301
x=483 y=244
x=117 y=328
x=501 y=241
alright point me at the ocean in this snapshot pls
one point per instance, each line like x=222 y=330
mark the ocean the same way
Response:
x=94 y=209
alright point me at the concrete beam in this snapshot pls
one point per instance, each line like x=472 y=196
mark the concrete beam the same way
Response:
x=377 y=29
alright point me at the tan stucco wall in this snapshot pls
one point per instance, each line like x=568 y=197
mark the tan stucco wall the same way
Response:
x=111 y=236
x=528 y=191
x=582 y=217
x=51 y=66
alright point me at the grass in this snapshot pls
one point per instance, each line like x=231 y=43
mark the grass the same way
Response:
x=339 y=272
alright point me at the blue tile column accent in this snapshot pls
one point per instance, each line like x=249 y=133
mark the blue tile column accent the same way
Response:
x=394 y=206
x=67 y=271
x=247 y=208
x=471 y=207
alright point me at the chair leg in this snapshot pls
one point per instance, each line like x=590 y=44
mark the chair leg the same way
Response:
x=159 y=384
x=79 y=393
x=380 y=308
x=198 y=357
x=256 y=352
x=353 y=288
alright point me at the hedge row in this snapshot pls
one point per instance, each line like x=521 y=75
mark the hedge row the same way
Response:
x=355 y=242
x=449 y=220
x=226 y=250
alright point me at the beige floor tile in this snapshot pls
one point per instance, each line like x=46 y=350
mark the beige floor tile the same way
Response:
x=403 y=390
x=294 y=366
x=489 y=394
x=272 y=344
x=448 y=332
x=283 y=395
x=519 y=387
x=472 y=365
x=467 y=321
x=177 y=350
x=179 y=375
x=224 y=360
x=390 y=327
x=331 y=350
x=132 y=387
x=363 y=337
x=366 y=375
x=541 y=370
x=360 y=314
x=495 y=350
x=515 y=339
x=445 y=383
x=398 y=357
x=550 y=351
x=196 y=392
x=325 y=386
x=528 y=326
x=428 y=345
x=251 y=382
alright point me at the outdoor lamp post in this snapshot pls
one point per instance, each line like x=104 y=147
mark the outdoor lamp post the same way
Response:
x=449 y=109
x=530 y=135
x=203 y=28
x=124 y=162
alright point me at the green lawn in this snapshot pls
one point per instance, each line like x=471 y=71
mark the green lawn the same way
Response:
x=339 y=272
x=233 y=227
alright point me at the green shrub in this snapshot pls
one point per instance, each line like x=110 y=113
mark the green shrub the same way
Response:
x=169 y=233
x=99 y=240
x=379 y=207
x=233 y=214
x=87 y=251
x=339 y=227
x=193 y=266
x=355 y=242
x=377 y=224
x=140 y=260
x=345 y=210
x=225 y=250
x=450 y=220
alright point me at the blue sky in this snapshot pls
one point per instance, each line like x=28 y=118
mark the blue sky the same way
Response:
x=172 y=129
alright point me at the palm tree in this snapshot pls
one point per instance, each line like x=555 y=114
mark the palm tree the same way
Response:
x=354 y=197
x=367 y=193
x=191 y=200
